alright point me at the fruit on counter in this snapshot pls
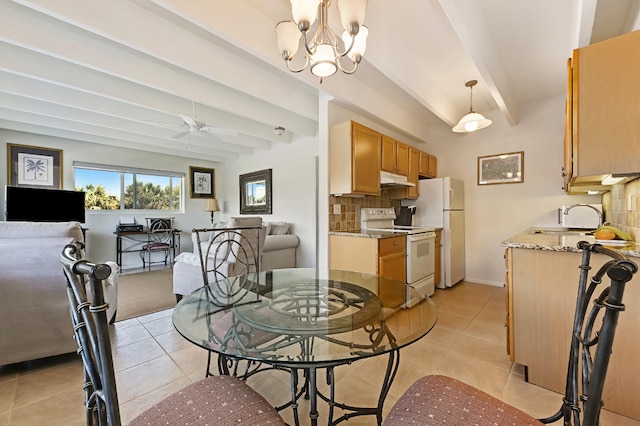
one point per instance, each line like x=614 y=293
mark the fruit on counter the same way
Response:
x=610 y=233
x=604 y=234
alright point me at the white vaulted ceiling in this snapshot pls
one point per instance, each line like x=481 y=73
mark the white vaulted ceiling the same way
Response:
x=111 y=72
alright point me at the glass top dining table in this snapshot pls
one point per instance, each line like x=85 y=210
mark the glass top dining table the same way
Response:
x=306 y=318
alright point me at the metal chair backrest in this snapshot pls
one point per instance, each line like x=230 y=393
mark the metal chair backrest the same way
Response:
x=89 y=319
x=607 y=306
x=159 y=230
x=230 y=252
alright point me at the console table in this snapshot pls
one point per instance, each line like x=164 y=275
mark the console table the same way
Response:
x=135 y=241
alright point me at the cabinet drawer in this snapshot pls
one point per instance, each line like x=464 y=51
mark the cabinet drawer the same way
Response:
x=391 y=245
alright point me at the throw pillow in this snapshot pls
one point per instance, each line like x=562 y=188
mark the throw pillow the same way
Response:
x=279 y=228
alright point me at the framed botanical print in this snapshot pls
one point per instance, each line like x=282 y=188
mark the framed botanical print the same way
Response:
x=34 y=166
x=501 y=168
x=202 y=182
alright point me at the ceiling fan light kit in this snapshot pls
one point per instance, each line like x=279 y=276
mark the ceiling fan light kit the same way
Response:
x=472 y=121
x=323 y=50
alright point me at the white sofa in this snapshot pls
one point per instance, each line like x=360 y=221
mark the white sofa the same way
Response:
x=34 y=309
x=278 y=252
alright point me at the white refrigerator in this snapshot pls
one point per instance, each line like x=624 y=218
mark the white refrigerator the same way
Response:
x=441 y=205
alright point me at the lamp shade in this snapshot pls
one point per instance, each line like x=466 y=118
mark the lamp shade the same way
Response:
x=288 y=37
x=304 y=10
x=359 y=44
x=471 y=122
x=352 y=11
x=212 y=205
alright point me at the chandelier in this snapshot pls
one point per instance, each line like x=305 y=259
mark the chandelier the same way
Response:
x=472 y=121
x=324 y=50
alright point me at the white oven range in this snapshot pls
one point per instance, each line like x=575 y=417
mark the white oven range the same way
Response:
x=420 y=249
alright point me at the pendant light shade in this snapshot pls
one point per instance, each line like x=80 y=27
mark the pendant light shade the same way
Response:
x=472 y=121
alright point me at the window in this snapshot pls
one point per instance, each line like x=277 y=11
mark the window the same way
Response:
x=125 y=188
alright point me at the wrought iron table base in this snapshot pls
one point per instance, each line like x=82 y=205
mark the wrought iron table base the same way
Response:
x=309 y=389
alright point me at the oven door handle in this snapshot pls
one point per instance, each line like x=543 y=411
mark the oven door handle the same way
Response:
x=422 y=237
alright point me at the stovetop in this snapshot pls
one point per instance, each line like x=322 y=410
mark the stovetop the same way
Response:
x=381 y=219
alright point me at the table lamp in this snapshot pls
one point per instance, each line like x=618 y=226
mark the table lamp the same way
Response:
x=212 y=206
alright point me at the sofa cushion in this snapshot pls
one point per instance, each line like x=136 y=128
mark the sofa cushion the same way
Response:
x=20 y=230
x=279 y=242
x=277 y=228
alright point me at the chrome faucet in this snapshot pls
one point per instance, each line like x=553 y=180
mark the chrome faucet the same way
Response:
x=566 y=211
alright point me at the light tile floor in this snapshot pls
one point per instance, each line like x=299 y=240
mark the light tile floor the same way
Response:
x=152 y=361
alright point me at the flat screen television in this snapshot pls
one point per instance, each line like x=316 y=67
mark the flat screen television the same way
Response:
x=43 y=205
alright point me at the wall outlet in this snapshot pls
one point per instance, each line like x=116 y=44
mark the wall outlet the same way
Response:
x=337 y=209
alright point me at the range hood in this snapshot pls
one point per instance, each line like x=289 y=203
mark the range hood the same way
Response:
x=391 y=179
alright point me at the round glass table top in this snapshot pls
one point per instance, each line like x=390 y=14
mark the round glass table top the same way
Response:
x=303 y=316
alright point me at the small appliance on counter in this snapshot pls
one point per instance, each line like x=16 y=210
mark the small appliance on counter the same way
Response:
x=580 y=216
x=405 y=216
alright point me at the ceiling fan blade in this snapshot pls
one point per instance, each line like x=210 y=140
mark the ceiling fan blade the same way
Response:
x=181 y=134
x=189 y=121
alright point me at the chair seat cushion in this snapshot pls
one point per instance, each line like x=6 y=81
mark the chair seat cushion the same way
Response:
x=156 y=246
x=216 y=400
x=437 y=400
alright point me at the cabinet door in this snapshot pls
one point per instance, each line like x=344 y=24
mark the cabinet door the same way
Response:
x=607 y=88
x=402 y=159
x=567 y=170
x=433 y=166
x=389 y=154
x=366 y=160
x=414 y=161
x=393 y=266
x=437 y=275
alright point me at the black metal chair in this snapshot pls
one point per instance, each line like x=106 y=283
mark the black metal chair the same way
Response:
x=219 y=400
x=159 y=240
x=435 y=400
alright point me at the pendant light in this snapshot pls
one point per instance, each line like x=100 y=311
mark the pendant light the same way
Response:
x=472 y=121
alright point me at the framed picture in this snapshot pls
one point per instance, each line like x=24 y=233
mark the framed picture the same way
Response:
x=255 y=192
x=501 y=168
x=202 y=182
x=34 y=167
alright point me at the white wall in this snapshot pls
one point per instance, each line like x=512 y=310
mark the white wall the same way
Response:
x=293 y=189
x=496 y=212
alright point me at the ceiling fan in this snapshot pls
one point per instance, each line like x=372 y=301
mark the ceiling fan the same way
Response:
x=192 y=126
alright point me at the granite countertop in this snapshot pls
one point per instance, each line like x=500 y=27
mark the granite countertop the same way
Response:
x=367 y=234
x=556 y=240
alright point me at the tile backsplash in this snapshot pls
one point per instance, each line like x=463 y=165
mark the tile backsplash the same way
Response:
x=349 y=217
x=622 y=207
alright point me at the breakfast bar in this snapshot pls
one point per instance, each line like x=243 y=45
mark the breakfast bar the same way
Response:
x=541 y=285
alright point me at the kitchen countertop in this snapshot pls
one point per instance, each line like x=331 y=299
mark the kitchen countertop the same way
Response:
x=557 y=240
x=367 y=234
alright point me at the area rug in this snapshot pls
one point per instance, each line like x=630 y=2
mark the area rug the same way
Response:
x=144 y=293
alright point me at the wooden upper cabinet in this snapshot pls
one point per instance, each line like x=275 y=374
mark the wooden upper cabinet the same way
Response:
x=414 y=165
x=395 y=156
x=428 y=165
x=567 y=169
x=605 y=113
x=354 y=159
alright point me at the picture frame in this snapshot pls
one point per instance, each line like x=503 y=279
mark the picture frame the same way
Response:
x=202 y=182
x=501 y=168
x=255 y=192
x=34 y=167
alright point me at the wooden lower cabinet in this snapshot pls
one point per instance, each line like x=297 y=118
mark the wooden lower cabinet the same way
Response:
x=542 y=292
x=437 y=275
x=376 y=256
